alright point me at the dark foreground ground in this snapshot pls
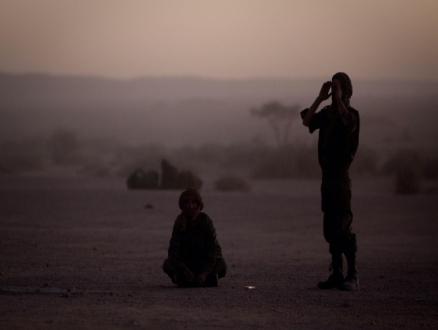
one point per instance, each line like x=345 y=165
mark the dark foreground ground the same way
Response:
x=78 y=254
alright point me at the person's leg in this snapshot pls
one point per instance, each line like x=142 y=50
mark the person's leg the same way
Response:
x=338 y=218
x=336 y=205
x=349 y=243
x=335 y=249
x=351 y=282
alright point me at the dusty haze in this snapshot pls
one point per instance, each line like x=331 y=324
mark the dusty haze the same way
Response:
x=104 y=79
x=195 y=111
x=111 y=127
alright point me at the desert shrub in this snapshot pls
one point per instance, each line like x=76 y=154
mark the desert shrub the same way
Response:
x=405 y=166
x=171 y=178
x=232 y=183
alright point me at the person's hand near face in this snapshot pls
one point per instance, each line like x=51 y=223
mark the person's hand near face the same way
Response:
x=324 y=92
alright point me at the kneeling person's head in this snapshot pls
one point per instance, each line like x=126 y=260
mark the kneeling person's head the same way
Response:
x=190 y=202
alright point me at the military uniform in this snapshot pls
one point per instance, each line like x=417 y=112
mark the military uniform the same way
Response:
x=196 y=248
x=337 y=146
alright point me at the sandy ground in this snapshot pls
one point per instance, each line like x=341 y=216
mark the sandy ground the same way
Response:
x=80 y=254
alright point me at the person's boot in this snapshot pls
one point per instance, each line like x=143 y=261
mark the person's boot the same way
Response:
x=351 y=282
x=336 y=278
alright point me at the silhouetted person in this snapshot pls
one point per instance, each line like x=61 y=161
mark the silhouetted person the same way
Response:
x=338 y=126
x=194 y=255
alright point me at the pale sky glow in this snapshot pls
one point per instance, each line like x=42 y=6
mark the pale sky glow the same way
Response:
x=226 y=39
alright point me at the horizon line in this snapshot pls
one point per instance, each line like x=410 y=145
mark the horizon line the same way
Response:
x=200 y=77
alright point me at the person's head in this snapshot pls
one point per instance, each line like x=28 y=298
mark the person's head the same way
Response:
x=346 y=86
x=190 y=202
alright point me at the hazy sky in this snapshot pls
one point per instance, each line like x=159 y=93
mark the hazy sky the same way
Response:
x=389 y=39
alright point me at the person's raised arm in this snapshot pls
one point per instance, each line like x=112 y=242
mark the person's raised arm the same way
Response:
x=323 y=95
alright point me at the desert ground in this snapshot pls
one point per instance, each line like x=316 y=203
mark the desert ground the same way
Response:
x=81 y=253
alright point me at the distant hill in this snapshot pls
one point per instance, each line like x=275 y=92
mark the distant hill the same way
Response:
x=45 y=89
x=30 y=88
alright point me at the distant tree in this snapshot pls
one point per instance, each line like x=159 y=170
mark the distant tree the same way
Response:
x=279 y=117
x=406 y=166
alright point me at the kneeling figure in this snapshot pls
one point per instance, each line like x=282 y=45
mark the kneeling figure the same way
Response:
x=194 y=254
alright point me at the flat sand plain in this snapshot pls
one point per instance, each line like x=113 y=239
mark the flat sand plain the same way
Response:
x=79 y=253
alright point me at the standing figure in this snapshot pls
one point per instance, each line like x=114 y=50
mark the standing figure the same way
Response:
x=194 y=255
x=338 y=141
